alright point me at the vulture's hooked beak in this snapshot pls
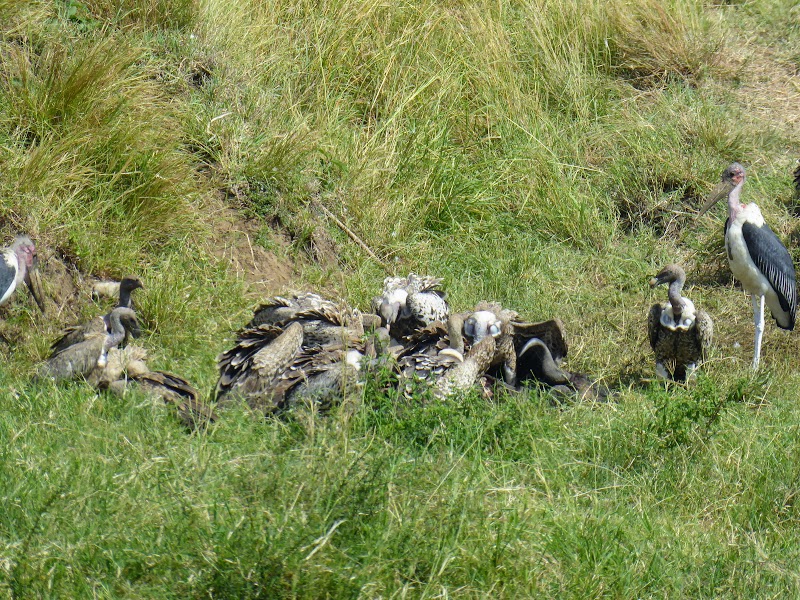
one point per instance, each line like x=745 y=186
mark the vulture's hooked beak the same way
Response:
x=134 y=329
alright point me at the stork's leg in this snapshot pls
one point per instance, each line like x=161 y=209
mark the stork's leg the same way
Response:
x=758 y=318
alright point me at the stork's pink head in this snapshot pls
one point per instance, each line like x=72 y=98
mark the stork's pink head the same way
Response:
x=25 y=250
x=732 y=177
x=734 y=174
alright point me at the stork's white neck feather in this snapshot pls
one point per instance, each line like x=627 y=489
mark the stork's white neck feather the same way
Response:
x=749 y=213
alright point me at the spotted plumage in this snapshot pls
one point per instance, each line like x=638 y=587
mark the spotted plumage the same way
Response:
x=408 y=304
x=680 y=335
x=426 y=357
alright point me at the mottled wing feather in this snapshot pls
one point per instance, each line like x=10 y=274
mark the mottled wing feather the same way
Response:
x=251 y=366
x=76 y=361
x=796 y=178
x=248 y=342
x=394 y=283
x=705 y=332
x=178 y=392
x=423 y=283
x=279 y=310
x=774 y=261
x=170 y=382
x=421 y=359
x=311 y=370
x=429 y=306
x=272 y=311
x=653 y=324
x=429 y=339
x=75 y=334
x=462 y=376
x=326 y=313
x=271 y=359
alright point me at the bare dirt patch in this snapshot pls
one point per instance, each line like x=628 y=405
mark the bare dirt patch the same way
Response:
x=235 y=241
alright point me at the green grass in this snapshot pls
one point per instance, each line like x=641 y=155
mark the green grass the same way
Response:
x=547 y=155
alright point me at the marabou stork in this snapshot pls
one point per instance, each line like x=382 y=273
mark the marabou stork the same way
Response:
x=679 y=334
x=19 y=264
x=757 y=257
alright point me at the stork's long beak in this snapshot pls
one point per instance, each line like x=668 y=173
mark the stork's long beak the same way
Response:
x=34 y=283
x=719 y=192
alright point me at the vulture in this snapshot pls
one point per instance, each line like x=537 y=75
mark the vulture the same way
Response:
x=680 y=335
x=80 y=359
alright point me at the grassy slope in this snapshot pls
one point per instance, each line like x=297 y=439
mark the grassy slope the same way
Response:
x=546 y=155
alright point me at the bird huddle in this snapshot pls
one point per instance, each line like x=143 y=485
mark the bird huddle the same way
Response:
x=680 y=335
x=93 y=351
x=306 y=349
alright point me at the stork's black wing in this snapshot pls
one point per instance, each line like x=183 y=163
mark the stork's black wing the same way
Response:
x=773 y=260
x=7 y=274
